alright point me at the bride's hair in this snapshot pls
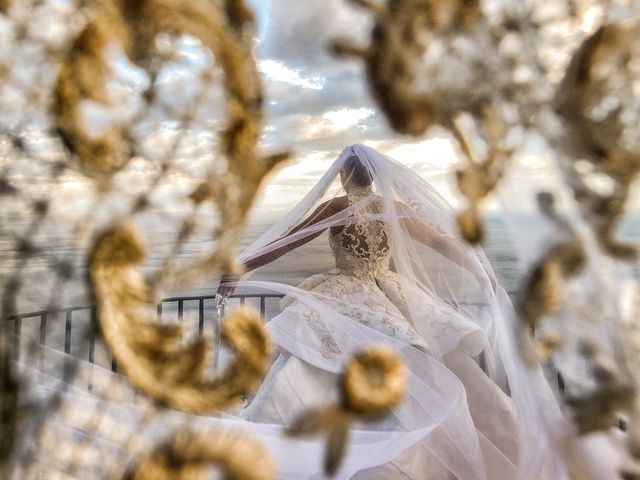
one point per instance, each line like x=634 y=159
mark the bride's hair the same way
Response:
x=357 y=171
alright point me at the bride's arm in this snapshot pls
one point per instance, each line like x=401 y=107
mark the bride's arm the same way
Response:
x=447 y=247
x=324 y=211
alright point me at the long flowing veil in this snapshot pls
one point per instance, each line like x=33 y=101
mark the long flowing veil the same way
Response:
x=468 y=365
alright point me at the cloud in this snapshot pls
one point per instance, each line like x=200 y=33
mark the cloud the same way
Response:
x=298 y=33
x=279 y=72
x=315 y=102
x=341 y=88
x=336 y=121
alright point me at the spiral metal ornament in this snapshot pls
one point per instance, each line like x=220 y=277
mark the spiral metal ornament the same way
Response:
x=542 y=291
x=599 y=103
x=424 y=68
x=393 y=60
x=82 y=78
x=191 y=455
x=480 y=176
x=155 y=357
x=134 y=27
x=374 y=381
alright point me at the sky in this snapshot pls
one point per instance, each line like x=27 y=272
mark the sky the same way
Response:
x=318 y=103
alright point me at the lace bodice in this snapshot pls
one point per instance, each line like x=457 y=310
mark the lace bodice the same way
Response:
x=361 y=248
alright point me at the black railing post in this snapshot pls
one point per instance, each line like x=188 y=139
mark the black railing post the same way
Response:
x=42 y=339
x=67 y=333
x=92 y=334
x=67 y=344
x=200 y=316
x=17 y=328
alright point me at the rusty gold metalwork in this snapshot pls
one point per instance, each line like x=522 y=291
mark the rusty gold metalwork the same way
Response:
x=592 y=100
x=480 y=177
x=154 y=356
x=191 y=455
x=82 y=77
x=4 y=6
x=374 y=381
x=399 y=40
x=134 y=26
x=542 y=291
x=542 y=294
x=396 y=47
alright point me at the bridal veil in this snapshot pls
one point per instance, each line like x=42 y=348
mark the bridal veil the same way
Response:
x=472 y=408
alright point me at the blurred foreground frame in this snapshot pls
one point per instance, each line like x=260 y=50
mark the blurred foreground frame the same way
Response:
x=499 y=74
x=569 y=105
x=236 y=172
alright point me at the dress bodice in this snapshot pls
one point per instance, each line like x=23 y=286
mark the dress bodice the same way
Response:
x=361 y=247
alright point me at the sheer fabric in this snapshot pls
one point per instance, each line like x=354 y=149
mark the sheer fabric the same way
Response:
x=404 y=279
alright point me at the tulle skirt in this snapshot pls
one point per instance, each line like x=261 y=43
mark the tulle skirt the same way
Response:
x=455 y=422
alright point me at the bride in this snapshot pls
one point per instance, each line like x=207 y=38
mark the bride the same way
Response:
x=401 y=278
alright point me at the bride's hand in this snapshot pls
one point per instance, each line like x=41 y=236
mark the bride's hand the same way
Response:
x=227 y=285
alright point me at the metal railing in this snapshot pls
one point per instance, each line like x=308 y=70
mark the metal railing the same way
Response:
x=207 y=312
x=172 y=305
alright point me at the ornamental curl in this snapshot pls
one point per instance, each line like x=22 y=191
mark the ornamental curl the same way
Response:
x=432 y=62
x=374 y=381
x=542 y=291
x=134 y=26
x=155 y=357
x=190 y=455
x=412 y=91
x=598 y=102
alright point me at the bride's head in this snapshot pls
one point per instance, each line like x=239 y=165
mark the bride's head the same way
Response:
x=354 y=174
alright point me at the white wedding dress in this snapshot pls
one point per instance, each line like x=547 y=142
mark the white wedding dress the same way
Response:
x=364 y=290
x=471 y=411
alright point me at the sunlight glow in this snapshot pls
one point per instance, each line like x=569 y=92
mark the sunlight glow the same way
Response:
x=336 y=121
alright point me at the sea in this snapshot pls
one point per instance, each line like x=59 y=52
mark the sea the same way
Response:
x=42 y=287
x=56 y=242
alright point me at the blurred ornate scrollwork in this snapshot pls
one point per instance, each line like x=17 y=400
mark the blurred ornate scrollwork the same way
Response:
x=189 y=455
x=542 y=292
x=437 y=62
x=486 y=71
x=135 y=27
x=493 y=74
x=374 y=381
x=154 y=356
x=100 y=137
x=598 y=100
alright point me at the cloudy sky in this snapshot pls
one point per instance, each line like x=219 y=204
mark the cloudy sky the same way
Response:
x=318 y=104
